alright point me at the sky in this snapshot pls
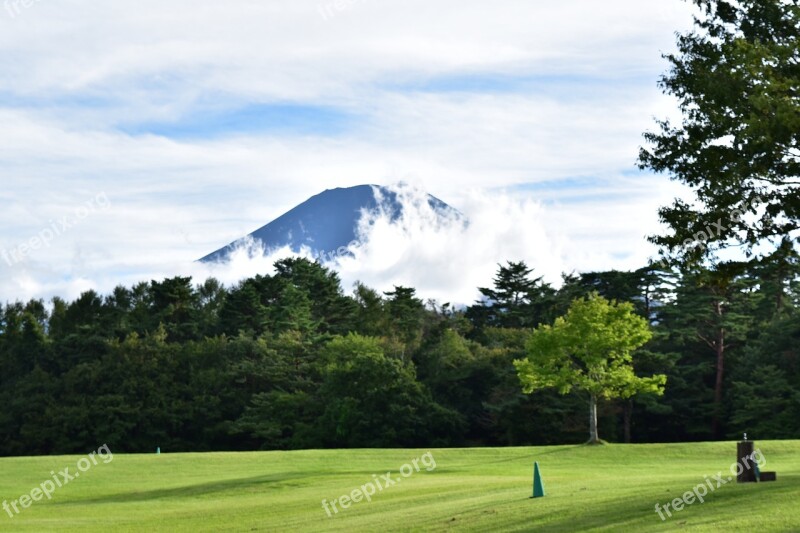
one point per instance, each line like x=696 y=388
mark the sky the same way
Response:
x=136 y=137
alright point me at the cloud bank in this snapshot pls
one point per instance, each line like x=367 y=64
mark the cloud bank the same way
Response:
x=201 y=122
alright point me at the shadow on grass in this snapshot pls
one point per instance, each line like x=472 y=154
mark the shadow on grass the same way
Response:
x=268 y=482
x=728 y=506
x=529 y=457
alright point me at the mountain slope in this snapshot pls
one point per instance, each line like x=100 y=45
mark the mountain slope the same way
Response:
x=327 y=221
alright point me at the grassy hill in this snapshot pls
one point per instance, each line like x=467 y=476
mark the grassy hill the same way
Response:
x=604 y=488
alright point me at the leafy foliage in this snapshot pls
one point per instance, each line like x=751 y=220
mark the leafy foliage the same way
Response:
x=737 y=80
x=290 y=361
x=589 y=349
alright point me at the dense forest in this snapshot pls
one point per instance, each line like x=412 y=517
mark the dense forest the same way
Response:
x=289 y=360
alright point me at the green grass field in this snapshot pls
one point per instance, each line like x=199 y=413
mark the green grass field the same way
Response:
x=604 y=488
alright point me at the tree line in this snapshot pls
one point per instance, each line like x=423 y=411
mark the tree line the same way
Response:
x=289 y=360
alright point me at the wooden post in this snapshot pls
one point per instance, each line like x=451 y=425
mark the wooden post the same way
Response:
x=746 y=469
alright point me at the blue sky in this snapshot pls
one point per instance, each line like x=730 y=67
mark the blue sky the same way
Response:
x=284 y=119
x=203 y=121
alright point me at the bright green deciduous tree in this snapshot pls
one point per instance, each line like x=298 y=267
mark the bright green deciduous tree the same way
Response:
x=589 y=349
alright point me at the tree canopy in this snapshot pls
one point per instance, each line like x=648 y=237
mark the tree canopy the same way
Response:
x=590 y=349
x=736 y=78
x=290 y=360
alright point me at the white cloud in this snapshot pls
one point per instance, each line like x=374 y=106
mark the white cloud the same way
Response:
x=571 y=88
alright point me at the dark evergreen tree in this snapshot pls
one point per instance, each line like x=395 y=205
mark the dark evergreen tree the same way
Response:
x=735 y=78
x=517 y=300
x=406 y=315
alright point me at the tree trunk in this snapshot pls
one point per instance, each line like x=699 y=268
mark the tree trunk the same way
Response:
x=627 y=411
x=593 y=438
x=720 y=349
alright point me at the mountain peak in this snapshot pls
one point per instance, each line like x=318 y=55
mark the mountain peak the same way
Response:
x=329 y=221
